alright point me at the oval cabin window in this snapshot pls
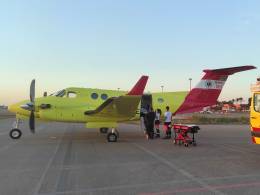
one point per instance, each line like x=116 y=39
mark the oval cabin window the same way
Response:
x=160 y=100
x=104 y=96
x=94 y=96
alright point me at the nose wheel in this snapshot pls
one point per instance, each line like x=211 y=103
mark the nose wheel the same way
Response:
x=15 y=133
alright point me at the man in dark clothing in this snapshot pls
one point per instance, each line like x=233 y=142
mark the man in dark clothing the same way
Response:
x=149 y=123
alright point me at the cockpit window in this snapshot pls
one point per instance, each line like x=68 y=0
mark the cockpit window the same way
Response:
x=60 y=93
x=71 y=94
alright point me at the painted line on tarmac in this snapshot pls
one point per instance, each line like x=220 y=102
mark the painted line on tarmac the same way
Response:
x=180 y=170
x=39 y=184
x=220 y=187
x=122 y=187
x=118 y=187
x=6 y=147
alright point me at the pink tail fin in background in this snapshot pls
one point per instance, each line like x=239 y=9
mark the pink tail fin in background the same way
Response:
x=208 y=89
x=139 y=87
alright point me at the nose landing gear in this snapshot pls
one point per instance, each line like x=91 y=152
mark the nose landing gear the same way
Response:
x=16 y=133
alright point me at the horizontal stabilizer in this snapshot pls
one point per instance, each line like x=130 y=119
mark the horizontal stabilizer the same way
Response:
x=218 y=73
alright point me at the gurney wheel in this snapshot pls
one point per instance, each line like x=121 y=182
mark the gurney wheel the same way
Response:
x=186 y=145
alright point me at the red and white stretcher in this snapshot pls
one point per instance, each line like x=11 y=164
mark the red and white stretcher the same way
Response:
x=185 y=134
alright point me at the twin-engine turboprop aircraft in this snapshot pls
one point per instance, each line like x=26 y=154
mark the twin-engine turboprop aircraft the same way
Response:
x=104 y=109
x=74 y=105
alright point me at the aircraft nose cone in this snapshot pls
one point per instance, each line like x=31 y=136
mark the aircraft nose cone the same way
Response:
x=13 y=108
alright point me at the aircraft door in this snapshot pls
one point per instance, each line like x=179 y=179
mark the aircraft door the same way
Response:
x=255 y=111
x=146 y=102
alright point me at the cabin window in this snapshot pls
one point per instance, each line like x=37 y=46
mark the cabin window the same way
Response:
x=160 y=100
x=104 y=96
x=94 y=96
x=71 y=94
x=257 y=102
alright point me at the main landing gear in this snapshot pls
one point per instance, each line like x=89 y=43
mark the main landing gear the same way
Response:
x=113 y=135
x=103 y=130
x=16 y=133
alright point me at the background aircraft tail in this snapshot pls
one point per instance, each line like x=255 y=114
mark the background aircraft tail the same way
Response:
x=208 y=89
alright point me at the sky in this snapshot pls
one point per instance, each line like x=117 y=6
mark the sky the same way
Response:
x=109 y=44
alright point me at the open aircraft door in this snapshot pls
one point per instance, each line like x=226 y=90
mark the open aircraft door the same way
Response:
x=146 y=103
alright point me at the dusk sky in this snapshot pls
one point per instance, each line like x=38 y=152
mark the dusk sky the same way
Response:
x=111 y=43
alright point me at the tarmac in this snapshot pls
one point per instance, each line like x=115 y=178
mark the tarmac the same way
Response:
x=68 y=159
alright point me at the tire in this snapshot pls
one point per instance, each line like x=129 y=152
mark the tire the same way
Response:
x=103 y=130
x=117 y=133
x=112 y=137
x=15 y=133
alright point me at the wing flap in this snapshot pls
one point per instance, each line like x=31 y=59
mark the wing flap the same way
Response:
x=120 y=107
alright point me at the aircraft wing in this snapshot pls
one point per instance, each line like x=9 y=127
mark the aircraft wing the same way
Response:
x=117 y=107
x=122 y=107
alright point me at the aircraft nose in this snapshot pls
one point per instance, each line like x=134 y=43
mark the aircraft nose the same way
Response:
x=13 y=108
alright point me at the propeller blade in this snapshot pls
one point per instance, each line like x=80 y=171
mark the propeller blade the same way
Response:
x=32 y=122
x=32 y=91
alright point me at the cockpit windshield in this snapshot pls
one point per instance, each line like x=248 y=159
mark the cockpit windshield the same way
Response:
x=60 y=93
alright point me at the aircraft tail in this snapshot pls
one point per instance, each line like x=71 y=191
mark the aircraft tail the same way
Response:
x=208 y=89
x=139 y=87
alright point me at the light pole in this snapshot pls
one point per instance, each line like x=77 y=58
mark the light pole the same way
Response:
x=190 y=83
x=118 y=89
x=162 y=88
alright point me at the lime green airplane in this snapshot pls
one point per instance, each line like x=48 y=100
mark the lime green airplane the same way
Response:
x=104 y=109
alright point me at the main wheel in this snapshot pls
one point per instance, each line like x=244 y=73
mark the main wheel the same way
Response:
x=112 y=137
x=103 y=130
x=15 y=133
x=117 y=133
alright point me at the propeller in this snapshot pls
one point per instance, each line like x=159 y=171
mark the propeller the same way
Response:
x=32 y=99
x=30 y=106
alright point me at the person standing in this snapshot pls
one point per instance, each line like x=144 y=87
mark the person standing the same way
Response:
x=149 y=118
x=167 y=123
x=157 y=122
